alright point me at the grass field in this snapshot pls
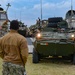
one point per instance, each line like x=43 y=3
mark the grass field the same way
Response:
x=47 y=67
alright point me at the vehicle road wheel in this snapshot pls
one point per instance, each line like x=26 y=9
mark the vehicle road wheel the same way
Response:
x=74 y=59
x=39 y=57
x=35 y=56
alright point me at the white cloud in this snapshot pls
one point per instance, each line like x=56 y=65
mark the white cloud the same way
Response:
x=49 y=9
x=6 y=1
x=48 y=5
x=54 y=8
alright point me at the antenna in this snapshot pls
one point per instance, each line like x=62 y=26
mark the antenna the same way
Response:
x=20 y=15
x=8 y=5
x=41 y=10
x=71 y=8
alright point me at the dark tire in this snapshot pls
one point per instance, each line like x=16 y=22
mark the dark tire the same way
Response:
x=73 y=59
x=35 y=56
x=39 y=57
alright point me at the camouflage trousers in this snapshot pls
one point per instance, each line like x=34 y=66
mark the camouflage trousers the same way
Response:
x=13 y=69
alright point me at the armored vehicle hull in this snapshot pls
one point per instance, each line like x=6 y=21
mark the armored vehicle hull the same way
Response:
x=47 y=48
x=54 y=44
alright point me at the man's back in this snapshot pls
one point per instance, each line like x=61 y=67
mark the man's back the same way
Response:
x=12 y=44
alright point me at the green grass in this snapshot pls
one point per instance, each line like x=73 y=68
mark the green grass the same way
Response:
x=0 y=66
x=47 y=67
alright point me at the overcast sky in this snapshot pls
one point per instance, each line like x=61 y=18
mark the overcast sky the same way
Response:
x=28 y=11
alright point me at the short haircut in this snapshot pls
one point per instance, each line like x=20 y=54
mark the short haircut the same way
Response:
x=14 y=24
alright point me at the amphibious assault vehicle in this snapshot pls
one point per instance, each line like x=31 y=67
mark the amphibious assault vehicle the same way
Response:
x=3 y=22
x=55 y=40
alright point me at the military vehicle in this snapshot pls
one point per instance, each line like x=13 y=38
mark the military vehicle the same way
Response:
x=70 y=18
x=55 y=40
x=24 y=30
x=3 y=22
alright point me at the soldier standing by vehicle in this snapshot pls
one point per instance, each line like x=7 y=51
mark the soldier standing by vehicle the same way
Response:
x=13 y=51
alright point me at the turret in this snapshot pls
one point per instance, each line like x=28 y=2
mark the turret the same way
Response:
x=70 y=17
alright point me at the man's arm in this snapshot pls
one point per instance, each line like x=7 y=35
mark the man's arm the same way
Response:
x=24 y=50
x=1 y=54
x=1 y=51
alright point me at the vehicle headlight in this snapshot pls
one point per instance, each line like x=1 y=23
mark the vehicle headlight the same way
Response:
x=72 y=35
x=38 y=35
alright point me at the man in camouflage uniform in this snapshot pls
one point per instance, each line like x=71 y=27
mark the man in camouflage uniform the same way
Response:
x=13 y=51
